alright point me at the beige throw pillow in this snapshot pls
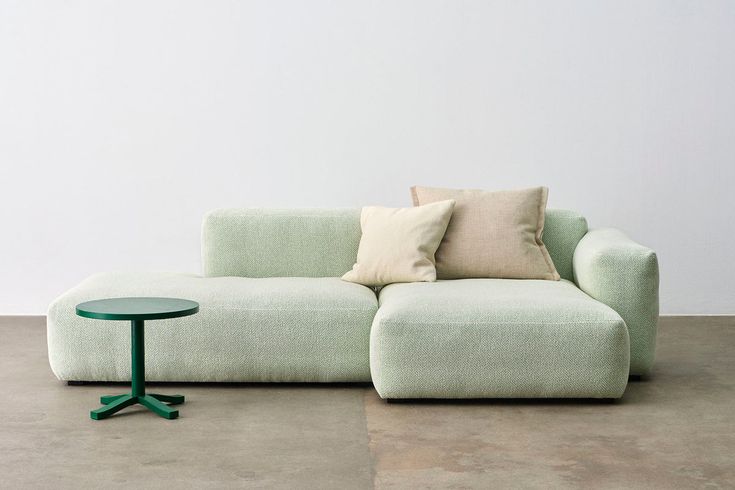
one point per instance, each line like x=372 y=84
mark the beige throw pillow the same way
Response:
x=492 y=234
x=398 y=244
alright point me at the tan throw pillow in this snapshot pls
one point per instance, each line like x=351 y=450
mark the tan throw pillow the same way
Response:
x=398 y=244
x=492 y=234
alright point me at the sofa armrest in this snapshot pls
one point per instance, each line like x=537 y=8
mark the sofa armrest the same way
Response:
x=617 y=271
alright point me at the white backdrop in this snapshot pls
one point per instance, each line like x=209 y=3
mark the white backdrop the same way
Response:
x=122 y=123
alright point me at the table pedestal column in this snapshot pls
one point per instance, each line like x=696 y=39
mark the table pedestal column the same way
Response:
x=137 y=348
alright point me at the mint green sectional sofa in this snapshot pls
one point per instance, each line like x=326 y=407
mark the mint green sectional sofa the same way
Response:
x=274 y=309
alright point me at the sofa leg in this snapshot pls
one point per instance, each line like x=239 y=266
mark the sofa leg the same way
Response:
x=76 y=383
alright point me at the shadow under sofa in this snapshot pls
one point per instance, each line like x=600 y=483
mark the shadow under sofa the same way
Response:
x=274 y=309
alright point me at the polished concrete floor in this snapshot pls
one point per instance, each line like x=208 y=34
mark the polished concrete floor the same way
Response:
x=675 y=429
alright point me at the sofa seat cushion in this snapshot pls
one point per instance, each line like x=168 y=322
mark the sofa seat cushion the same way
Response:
x=267 y=329
x=475 y=338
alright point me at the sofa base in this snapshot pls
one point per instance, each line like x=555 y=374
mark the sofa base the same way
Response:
x=599 y=401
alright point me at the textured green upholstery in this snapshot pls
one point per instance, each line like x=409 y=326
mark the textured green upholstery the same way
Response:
x=615 y=270
x=280 y=242
x=563 y=229
x=271 y=329
x=475 y=338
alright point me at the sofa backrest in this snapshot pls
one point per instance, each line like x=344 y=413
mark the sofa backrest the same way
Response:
x=256 y=242
x=563 y=229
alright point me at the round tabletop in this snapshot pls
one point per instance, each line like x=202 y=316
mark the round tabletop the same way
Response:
x=137 y=308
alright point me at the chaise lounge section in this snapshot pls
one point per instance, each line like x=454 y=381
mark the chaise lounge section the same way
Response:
x=497 y=338
x=290 y=329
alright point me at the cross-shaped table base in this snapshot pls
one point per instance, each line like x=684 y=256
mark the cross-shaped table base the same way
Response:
x=152 y=401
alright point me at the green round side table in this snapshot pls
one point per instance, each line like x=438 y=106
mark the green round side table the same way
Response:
x=137 y=310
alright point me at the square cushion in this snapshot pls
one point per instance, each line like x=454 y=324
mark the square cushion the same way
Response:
x=398 y=244
x=492 y=234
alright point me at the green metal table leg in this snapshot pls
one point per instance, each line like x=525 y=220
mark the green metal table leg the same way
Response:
x=137 y=344
x=116 y=406
x=170 y=399
x=158 y=407
x=107 y=399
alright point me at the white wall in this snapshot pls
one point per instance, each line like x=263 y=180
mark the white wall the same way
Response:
x=122 y=123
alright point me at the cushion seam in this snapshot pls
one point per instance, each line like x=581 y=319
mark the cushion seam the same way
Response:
x=219 y=307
